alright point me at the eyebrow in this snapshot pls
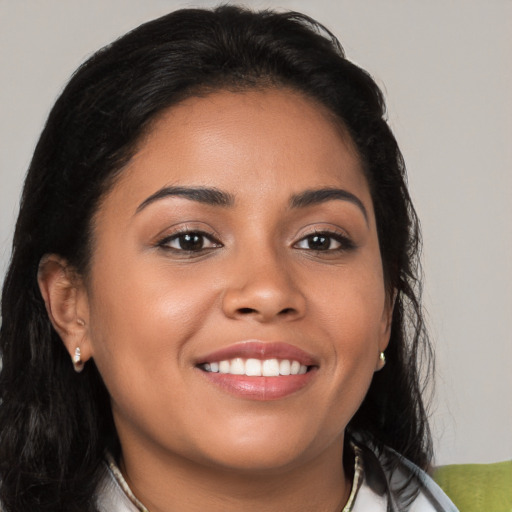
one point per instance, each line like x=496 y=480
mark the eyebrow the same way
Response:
x=319 y=196
x=205 y=195
x=215 y=197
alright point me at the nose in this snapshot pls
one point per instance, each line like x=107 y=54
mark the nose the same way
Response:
x=264 y=288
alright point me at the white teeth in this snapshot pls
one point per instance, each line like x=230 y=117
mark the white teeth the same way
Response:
x=237 y=367
x=256 y=368
x=270 y=368
x=253 y=367
x=284 y=367
x=294 y=368
x=224 y=367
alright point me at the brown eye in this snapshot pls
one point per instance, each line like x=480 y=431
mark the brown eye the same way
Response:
x=325 y=242
x=319 y=242
x=191 y=241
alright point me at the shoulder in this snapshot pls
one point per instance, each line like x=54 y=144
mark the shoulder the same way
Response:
x=388 y=481
x=110 y=494
x=430 y=493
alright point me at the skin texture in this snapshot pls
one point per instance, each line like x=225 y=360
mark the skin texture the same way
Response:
x=151 y=310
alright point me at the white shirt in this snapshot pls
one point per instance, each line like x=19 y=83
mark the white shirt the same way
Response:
x=114 y=494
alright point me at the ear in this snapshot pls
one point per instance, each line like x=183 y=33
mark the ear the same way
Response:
x=66 y=303
x=386 y=322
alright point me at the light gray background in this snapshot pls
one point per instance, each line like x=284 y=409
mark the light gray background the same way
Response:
x=445 y=67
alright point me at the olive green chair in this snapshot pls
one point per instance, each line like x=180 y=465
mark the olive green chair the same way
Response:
x=477 y=487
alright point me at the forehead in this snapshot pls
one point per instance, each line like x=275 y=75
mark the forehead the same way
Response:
x=264 y=142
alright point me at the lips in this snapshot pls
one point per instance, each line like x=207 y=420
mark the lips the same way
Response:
x=259 y=371
x=256 y=349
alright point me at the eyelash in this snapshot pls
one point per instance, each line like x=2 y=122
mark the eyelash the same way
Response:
x=345 y=243
x=165 y=242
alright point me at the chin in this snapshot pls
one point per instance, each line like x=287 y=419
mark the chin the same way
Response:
x=266 y=451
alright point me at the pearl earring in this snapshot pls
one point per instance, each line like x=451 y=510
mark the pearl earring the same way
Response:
x=78 y=364
x=382 y=361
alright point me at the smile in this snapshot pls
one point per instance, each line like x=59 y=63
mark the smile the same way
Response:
x=261 y=371
x=256 y=368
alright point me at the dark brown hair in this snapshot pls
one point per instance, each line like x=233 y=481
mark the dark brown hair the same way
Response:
x=55 y=425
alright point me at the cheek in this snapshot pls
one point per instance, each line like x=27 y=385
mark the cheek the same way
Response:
x=141 y=329
x=142 y=314
x=351 y=313
x=351 y=302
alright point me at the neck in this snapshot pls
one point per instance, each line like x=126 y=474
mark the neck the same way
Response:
x=170 y=484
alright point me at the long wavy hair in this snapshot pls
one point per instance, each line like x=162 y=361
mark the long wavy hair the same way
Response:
x=55 y=425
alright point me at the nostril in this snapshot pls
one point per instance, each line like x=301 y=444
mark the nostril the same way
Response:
x=246 y=311
x=250 y=311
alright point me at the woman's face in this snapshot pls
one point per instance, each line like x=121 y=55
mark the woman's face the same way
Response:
x=241 y=238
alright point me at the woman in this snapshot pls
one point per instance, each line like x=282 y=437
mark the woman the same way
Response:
x=216 y=229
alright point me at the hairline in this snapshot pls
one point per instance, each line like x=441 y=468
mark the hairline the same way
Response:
x=262 y=84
